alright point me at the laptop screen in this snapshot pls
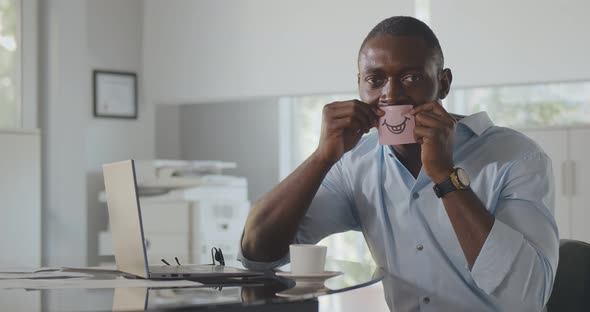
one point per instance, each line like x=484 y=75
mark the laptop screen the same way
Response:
x=125 y=218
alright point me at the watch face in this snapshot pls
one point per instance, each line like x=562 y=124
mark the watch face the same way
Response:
x=463 y=177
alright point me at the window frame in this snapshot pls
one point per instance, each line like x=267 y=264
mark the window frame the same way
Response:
x=19 y=63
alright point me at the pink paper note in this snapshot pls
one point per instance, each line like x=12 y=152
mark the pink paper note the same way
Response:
x=397 y=125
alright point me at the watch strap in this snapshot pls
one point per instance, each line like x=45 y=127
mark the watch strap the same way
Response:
x=450 y=184
x=444 y=187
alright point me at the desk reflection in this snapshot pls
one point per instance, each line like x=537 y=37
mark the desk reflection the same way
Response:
x=130 y=299
x=141 y=299
x=252 y=295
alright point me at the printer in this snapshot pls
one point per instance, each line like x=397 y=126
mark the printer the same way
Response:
x=187 y=208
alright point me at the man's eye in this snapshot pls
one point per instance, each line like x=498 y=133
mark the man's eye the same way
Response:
x=412 y=78
x=375 y=81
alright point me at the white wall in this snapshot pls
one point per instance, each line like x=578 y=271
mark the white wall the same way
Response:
x=77 y=37
x=504 y=41
x=245 y=132
x=64 y=108
x=168 y=132
x=204 y=51
x=114 y=42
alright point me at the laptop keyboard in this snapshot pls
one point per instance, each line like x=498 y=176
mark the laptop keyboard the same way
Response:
x=181 y=269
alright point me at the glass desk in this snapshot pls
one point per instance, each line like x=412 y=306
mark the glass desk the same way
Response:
x=271 y=293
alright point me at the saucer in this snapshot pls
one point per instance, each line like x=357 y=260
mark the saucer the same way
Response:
x=313 y=278
x=304 y=291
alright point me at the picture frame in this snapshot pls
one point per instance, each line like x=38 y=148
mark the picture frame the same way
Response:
x=115 y=94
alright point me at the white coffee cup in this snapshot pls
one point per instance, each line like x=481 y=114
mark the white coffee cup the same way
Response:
x=307 y=259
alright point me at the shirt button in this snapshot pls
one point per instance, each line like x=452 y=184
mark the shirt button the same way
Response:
x=426 y=300
x=416 y=195
x=419 y=247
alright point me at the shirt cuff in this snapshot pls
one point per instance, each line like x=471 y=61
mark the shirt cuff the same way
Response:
x=260 y=266
x=496 y=256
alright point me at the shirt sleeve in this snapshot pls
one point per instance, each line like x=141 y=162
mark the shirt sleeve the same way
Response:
x=518 y=260
x=331 y=211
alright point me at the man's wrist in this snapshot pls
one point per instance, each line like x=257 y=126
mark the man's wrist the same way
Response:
x=316 y=157
x=441 y=176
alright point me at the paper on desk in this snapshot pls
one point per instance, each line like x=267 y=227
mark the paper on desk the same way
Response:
x=98 y=270
x=95 y=269
x=92 y=283
x=27 y=270
x=40 y=274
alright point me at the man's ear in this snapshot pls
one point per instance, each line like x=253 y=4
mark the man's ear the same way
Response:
x=445 y=80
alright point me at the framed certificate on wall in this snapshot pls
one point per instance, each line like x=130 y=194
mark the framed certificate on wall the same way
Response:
x=115 y=94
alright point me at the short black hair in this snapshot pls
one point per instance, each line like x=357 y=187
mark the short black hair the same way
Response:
x=407 y=26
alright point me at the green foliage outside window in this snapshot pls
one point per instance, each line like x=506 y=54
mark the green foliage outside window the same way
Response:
x=9 y=108
x=526 y=106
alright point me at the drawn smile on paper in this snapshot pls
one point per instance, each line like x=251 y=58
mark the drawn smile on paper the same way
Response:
x=397 y=129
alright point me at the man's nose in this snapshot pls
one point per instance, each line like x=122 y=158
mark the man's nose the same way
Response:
x=389 y=92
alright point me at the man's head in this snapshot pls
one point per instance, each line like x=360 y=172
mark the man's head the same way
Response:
x=401 y=62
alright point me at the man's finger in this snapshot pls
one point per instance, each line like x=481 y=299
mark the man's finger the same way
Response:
x=355 y=123
x=349 y=110
x=422 y=108
x=435 y=107
x=371 y=110
x=425 y=134
x=356 y=107
x=347 y=123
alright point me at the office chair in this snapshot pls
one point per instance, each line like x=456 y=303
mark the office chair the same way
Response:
x=571 y=290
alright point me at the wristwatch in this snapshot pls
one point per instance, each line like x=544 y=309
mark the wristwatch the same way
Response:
x=458 y=180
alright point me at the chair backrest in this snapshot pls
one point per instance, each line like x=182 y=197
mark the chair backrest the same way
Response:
x=571 y=290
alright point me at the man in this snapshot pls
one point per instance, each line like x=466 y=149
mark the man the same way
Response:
x=461 y=220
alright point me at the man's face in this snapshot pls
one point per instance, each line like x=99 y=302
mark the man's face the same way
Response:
x=397 y=70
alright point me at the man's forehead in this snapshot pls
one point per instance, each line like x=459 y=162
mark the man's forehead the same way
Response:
x=398 y=51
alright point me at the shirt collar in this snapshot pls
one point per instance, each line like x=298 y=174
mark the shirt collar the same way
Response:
x=478 y=123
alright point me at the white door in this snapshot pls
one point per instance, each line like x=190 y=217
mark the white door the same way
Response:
x=580 y=183
x=20 y=211
x=555 y=144
x=20 y=194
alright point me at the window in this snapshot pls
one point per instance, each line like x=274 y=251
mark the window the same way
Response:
x=10 y=64
x=526 y=106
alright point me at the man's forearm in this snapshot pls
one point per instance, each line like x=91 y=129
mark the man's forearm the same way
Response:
x=273 y=221
x=471 y=221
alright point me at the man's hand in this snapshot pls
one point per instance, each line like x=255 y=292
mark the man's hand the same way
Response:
x=273 y=222
x=343 y=125
x=435 y=131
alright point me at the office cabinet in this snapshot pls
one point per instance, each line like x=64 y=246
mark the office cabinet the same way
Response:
x=554 y=143
x=569 y=149
x=579 y=187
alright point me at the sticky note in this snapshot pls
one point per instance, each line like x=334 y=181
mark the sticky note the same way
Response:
x=397 y=125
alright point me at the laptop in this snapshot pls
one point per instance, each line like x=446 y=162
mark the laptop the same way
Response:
x=128 y=238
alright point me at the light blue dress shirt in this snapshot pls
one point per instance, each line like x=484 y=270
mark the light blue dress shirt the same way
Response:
x=411 y=237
